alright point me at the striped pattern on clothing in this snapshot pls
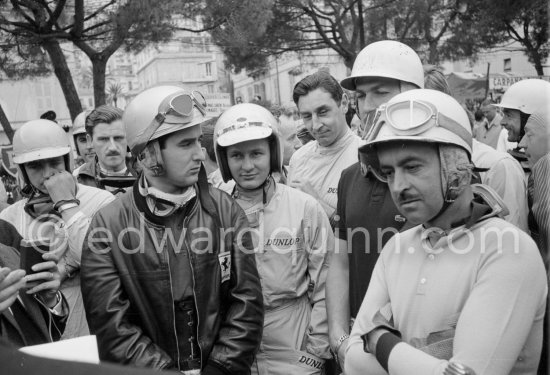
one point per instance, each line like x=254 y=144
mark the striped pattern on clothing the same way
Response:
x=541 y=203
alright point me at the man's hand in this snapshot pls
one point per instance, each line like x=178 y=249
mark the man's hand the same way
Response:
x=61 y=186
x=10 y=284
x=46 y=280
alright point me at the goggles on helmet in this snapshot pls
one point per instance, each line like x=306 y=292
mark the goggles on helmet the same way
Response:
x=181 y=105
x=407 y=120
x=412 y=118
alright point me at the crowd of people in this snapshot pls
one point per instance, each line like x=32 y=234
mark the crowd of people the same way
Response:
x=389 y=231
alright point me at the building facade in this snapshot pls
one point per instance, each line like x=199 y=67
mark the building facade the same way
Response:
x=275 y=82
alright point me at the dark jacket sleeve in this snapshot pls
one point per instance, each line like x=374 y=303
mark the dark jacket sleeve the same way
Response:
x=240 y=332
x=9 y=236
x=107 y=306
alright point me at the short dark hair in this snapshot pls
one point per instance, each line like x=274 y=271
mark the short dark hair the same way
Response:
x=49 y=115
x=487 y=102
x=104 y=114
x=478 y=115
x=435 y=79
x=320 y=79
x=208 y=137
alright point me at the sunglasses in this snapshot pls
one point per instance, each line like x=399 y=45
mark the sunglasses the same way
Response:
x=304 y=136
x=180 y=105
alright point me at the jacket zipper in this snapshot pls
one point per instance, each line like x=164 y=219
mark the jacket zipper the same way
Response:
x=173 y=308
x=188 y=249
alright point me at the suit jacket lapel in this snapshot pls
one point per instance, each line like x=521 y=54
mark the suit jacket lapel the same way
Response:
x=9 y=257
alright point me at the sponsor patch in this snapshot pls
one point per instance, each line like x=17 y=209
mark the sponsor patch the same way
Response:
x=311 y=362
x=225 y=265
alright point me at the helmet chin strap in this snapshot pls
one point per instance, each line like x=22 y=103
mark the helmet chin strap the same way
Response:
x=161 y=203
x=454 y=175
x=451 y=193
x=250 y=194
x=249 y=201
x=38 y=203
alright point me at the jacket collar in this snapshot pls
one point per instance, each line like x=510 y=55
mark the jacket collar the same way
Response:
x=203 y=195
x=88 y=168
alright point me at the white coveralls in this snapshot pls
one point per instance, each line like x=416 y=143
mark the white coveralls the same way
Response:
x=91 y=200
x=476 y=296
x=292 y=260
x=323 y=166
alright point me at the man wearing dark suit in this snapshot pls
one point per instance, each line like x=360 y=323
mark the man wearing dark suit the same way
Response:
x=32 y=310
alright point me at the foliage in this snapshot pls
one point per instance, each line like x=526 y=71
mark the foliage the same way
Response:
x=437 y=29
x=114 y=91
x=96 y=28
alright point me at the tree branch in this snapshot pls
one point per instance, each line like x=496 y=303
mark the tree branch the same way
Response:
x=59 y=9
x=98 y=10
x=207 y=28
x=17 y=7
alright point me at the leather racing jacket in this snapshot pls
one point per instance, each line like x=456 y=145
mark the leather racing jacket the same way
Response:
x=127 y=288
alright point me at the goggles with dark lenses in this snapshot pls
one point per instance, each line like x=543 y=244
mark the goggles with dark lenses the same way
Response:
x=414 y=117
x=366 y=125
x=304 y=136
x=180 y=105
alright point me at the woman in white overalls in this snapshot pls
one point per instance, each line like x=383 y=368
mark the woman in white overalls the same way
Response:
x=292 y=239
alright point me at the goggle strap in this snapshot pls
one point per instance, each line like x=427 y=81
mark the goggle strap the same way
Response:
x=147 y=134
x=200 y=106
x=454 y=127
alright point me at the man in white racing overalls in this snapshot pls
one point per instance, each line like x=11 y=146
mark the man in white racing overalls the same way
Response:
x=292 y=240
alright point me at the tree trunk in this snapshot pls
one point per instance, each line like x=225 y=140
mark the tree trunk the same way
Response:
x=361 y=26
x=537 y=62
x=349 y=60
x=63 y=74
x=6 y=125
x=99 y=67
x=433 y=57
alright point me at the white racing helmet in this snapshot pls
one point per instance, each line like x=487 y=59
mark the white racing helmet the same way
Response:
x=157 y=112
x=39 y=140
x=526 y=96
x=429 y=116
x=246 y=122
x=386 y=59
x=79 y=123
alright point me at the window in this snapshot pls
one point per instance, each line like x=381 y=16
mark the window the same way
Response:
x=208 y=67
x=508 y=65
